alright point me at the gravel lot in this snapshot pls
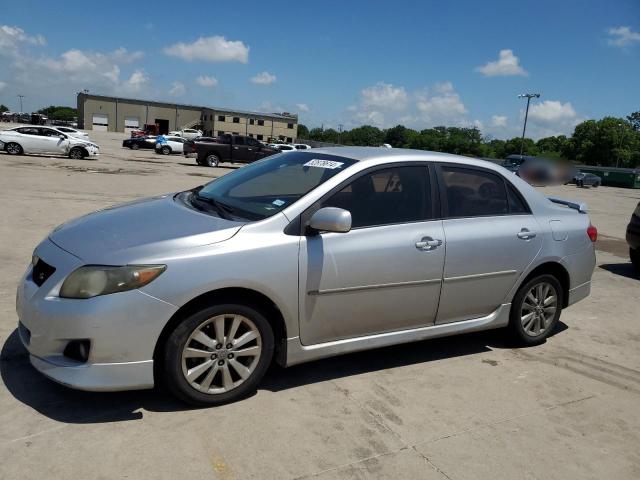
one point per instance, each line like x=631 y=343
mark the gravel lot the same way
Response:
x=458 y=408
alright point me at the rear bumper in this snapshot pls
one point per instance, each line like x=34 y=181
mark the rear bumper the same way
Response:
x=579 y=293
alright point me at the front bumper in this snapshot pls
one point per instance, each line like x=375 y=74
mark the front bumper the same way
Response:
x=123 y=329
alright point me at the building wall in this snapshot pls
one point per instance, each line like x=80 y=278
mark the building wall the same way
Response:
x=177 y=116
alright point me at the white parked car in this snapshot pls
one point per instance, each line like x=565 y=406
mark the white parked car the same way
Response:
x=190 y=133
x=170 y=145
x=302 y=146
x=283 y=147
x=72 y=132
x=45 y=140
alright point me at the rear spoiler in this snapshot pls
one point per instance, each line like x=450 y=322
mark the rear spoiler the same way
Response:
x=579 y=206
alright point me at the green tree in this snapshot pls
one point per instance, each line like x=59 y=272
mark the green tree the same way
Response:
x=59 y=112
x=4 y=108
x=398 y=136
x=303 y=131
x=609 y=141
x=365 y=135
x=634 y=120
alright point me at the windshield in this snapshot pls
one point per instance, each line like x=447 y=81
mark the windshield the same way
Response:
x=264 y=188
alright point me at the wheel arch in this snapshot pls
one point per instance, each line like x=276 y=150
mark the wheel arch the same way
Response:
x=240 y=295
x=85 y=152
x=558 y=271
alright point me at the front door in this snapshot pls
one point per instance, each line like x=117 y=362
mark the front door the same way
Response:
x=239 y=151
x=491 y=239
x=385 y=274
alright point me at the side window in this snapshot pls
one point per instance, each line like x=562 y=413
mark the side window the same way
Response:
x=382 y=197
x=516 y=203
x=474 y=193
x=238 y=140
x=29 y=131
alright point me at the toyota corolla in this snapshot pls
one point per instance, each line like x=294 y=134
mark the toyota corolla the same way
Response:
x=297 y=257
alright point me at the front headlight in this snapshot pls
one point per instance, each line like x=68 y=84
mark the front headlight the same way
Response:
x=94 y=280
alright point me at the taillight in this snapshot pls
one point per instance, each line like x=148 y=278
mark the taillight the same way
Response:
x=592 y=232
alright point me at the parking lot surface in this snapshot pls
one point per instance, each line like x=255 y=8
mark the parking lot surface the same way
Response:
x=466 y=407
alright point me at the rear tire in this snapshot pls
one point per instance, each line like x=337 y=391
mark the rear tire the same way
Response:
x=135 y=146
x=166 y=150
x=634 y=255
x=535 y=310
x=217 y=371
x=213 y=160
x=13 y=149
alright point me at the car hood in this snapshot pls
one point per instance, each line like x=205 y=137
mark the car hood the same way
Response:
x=149 y=228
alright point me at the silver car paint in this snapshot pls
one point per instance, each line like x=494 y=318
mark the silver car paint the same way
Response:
x=337 y=293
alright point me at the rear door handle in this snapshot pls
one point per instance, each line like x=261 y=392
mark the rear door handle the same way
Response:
x=526 y=234
x=428 y=243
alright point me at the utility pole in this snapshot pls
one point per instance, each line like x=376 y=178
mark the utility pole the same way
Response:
x=528 y=96
x=20 y=97
x=340 y=133
x=620 y=144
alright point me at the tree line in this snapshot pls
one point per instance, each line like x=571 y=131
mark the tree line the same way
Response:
x=609 y=141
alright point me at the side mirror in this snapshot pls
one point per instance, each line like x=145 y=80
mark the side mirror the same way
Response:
x=331 y=219
x=62 y=136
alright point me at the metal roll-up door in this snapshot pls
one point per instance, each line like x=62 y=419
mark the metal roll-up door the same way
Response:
x=100 y=122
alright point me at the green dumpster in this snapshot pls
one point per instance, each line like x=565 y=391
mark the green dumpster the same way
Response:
x=615 y=177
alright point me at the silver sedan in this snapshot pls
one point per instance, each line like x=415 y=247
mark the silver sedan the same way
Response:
x=297 y=257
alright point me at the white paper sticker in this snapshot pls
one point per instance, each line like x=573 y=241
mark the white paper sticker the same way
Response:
x=316 y=162
x=278 y=203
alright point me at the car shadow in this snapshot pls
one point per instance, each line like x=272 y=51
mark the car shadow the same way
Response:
x=623 y=269
x=77 y=407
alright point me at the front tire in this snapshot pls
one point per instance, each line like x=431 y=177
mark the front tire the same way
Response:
x=535 y=310
x=76 y=153
x=13 y=149
x=165 y=150
x=218 y=355
x=135 y=146
x=213 y=160
x=634 y=255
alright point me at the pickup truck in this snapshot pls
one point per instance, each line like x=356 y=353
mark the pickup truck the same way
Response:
x=227 y=148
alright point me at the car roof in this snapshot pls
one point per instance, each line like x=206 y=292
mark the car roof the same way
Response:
x=362 y=154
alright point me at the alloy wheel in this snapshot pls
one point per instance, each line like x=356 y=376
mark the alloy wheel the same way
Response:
x=538 y=309
x=221 y=353
x=13 y=149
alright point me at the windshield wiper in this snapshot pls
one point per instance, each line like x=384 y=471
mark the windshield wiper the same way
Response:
x=217 y=206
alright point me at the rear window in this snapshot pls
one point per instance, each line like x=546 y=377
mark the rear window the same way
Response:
x=474 y=193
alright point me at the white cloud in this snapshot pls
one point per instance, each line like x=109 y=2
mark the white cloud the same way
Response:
x=384 y=95
x=177 y=89
x=551 y=117
x=622 y=36
x=506 y=65
x=3 y=85
x=302 y=107
x=444 y=106
x=264 y=78
x=498 y=120
x=207 y=81
x=123 y=55
x=210 y=49
x=12 y=37
x=138 y=81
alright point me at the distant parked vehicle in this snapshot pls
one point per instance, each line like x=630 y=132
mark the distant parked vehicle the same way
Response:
x=170 y=145
x=140 y=142
x=73 y=132
x=633 y=238
x=228 y=148
x=149 y=129
x=284 y=148
x=45 y=140
x=190 y=133
x=582 y=179
x=302 y=146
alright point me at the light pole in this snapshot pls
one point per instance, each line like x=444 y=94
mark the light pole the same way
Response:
x=528 y=96
x=20 y=97
x=620 y=144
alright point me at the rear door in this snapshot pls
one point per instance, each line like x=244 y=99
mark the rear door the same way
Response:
x=491 y=238
x=32 y=140
x=239 y=152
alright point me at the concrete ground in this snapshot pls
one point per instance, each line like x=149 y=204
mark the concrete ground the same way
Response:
x=465 y=407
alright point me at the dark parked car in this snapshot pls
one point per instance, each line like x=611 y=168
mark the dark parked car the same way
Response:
x=540 y=170
x=586 y=180
x=633 y=238
x=227 y=148
x=140 y=142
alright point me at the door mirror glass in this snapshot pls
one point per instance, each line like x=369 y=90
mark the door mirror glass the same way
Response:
x=331 y=219
x=62 y=136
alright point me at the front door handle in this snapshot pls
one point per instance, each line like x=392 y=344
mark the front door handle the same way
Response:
x=428 y=243
x=526 y=234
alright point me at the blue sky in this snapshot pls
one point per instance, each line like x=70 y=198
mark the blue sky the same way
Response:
x=421 y=63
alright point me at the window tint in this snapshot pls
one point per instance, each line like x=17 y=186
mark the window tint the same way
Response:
x=47 y=132
x=516 y=204
x=252 y=143
x=29 y=131
x=472 y=193
x=392 y=195
x=238 y=140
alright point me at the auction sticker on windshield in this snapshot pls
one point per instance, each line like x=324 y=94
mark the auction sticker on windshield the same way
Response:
x=323 y=164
